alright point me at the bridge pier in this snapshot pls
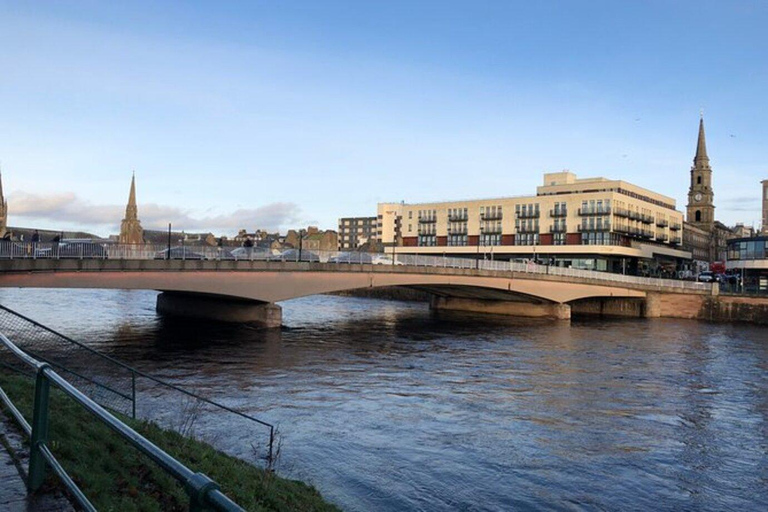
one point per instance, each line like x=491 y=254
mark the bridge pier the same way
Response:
x=221 y=309
x=502 y=307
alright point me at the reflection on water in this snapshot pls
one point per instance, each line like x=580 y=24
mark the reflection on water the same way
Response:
x=385 y=406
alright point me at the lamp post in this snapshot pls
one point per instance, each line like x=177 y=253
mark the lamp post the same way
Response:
x=477 y=258
x=302 y=232
x=168 y=255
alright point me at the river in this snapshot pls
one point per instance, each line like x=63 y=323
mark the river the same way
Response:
x=387 y=406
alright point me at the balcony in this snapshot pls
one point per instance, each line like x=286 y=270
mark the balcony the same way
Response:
x=676 y=240
x=528 y=214
x=490 y=230
x=558 y=213
x=622 y=212
x=458 y=217
x=585 y=228
x=492 y=216
x=675 y=227
x=528 y=229
x=662 y=237
x=457 y=231
x=662 y=223
x=558 y=229
x=604 y=210
x=646 y=219
x=633 y=231
x=427 y=220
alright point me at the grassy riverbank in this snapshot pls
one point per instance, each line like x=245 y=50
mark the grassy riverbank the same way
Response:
x=115 y=476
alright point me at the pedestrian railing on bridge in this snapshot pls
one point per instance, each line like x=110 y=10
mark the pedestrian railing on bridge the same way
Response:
x=88 y=250
x=203 y=492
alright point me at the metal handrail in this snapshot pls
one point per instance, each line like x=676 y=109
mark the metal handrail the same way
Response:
x=201 y=489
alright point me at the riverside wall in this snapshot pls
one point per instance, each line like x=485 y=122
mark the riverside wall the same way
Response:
x=714 y=308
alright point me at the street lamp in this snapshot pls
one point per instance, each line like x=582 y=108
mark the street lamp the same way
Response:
x=168 y=256
x=477 y=258
x=302 y=232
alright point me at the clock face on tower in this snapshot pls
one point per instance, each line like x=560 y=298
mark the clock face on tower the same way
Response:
x=697 y=197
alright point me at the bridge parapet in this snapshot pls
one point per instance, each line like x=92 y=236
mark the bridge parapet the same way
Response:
x=422 y=265
x=228 y=258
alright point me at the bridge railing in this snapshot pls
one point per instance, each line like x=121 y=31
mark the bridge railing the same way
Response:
x=87 y=250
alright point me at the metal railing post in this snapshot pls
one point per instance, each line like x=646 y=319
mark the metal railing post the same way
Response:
x=133 y=395
x=39 y=430
x=271 y=443
x=198 y=487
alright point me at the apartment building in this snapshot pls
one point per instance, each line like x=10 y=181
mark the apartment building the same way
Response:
x=356 y=231
x=593 y=223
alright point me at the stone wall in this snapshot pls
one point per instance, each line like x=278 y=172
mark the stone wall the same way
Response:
x=735 y=309
x=716 y=308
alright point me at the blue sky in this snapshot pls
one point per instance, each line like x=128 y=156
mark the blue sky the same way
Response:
x=275 y=114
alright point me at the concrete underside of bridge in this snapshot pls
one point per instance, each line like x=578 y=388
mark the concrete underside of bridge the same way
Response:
x=503 y=307
x=221 y=309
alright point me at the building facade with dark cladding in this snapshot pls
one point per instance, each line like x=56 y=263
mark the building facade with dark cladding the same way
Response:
x=357 y=231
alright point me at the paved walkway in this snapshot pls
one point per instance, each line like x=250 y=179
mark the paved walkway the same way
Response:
x=13 y=493
x=13 y=490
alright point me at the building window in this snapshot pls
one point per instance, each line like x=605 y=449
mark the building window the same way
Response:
x=698 y=215
x=698 y=180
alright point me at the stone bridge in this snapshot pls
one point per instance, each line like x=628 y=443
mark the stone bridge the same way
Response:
x=246 y=291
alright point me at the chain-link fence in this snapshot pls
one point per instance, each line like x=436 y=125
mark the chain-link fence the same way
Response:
x=126 y=390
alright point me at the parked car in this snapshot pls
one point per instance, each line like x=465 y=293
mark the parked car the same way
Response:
x=179 y=253
x=382 y=259
x=707 y=277
x=250 y=253
x=86 y=250
x=295 y=255
x=351 y=257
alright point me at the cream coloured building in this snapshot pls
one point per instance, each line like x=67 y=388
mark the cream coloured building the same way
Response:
x=583 y=223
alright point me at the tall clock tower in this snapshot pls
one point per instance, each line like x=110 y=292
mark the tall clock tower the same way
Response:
x=701 y=198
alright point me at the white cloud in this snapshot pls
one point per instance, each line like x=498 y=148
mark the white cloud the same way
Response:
x=70 y=209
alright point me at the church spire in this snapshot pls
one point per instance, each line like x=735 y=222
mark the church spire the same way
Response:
x=131 y=210
x=701 y=147
x=131 y=231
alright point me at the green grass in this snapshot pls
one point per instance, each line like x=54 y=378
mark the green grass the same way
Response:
x=116 y=476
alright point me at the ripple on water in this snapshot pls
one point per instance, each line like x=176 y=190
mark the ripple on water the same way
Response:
x=385 y=406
